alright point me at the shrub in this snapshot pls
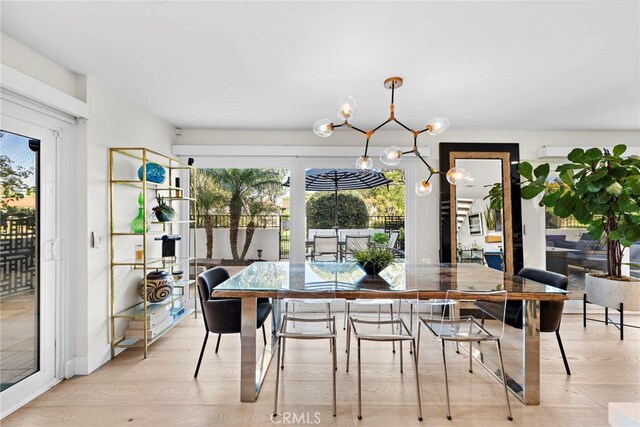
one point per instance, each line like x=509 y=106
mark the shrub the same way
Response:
x=352 y=211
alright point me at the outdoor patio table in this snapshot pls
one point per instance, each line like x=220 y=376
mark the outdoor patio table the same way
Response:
x=347 y=280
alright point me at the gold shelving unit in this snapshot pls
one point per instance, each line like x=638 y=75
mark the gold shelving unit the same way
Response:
x=142 y=309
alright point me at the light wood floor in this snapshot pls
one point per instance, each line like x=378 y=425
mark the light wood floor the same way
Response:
x=161 y=390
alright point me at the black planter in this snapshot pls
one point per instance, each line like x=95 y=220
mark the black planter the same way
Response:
x=372 y=270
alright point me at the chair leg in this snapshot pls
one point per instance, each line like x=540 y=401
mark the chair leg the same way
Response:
x=504 y=381
x=470 y=357
x=393 y=343
x=446 y=380
x=275 y=399
x=359 y=383
x=218 y=342
x=417 y=351
x=415 y=360
x=401 y=358
x=345 y=312
x=348 y=345
x=564 y=356
x=264 y=335
x=204 y=344
x=335 y=368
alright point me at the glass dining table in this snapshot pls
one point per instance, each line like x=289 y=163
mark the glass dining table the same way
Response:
x=397 y=281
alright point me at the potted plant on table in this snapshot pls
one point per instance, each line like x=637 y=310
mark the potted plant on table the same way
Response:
x=373 y=259
x=163 y=211
x=601 y=189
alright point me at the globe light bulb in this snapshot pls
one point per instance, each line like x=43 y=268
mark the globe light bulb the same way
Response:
x=391 y=156
x=323 y=128
x=423 y=188
x=458 y=176
x=346 y=107
x=364 y=163
x=437 y=125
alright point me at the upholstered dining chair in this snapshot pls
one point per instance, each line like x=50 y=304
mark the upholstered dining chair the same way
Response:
x=494 y=260
x=550 y=311
x=223 y=315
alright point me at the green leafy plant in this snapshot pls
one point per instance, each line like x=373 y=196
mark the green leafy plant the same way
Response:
x=600 y=189
x=490 y=218
x=495 y=196
x=375 y=258
x=352 y=211
x=163 y=211
x=380 y=238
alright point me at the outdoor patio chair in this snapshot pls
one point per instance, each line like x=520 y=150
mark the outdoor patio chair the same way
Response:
x=324 y=247
x=353 y=244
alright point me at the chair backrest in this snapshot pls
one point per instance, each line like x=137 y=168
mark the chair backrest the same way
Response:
x=209 y=279
x=325 y=244
x=321 y=232
x=393 y=239
x=356 y=243
x=498 y=299
x=550 y=311
x=494 y=260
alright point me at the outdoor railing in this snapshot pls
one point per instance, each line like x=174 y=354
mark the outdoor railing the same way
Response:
x=281 y=222
x=17 y=255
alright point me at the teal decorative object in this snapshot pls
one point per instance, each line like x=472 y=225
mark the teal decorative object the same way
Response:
x=155 y=173
x=140 y=224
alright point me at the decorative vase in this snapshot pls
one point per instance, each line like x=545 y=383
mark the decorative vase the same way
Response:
x=155 y=173
x=159 y=286
x=140 y=224
x=610 y=293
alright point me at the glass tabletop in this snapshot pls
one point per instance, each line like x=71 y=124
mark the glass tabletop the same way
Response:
x=399 y=276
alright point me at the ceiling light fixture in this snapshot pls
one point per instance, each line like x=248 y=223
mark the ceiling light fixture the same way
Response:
x=391 y=156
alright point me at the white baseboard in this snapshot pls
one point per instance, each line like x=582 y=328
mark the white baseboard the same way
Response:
x=84 y=365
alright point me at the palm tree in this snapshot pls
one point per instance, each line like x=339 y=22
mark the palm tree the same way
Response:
x=246 y=189
x=209 y=198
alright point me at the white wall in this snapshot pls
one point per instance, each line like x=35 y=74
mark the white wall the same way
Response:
x=114 y=122
x=266 y=239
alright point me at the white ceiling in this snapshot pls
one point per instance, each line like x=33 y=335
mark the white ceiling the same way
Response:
x=283 y=65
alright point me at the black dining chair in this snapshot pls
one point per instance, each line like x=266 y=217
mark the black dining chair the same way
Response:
x=224 y=315
x=550 y=311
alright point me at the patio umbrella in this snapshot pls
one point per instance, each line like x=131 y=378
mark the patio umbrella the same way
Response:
x=341 y=179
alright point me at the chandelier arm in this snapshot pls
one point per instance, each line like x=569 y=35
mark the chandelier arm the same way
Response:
x=380 y=125
x=401 y=124
x=366 y=147
x=407 y=152
x=337 y=126
x=358 y=129
x=431 y=170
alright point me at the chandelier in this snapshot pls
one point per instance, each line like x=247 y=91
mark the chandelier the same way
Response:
x=392 y=155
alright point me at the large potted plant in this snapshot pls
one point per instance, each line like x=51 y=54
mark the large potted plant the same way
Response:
x=601 y=189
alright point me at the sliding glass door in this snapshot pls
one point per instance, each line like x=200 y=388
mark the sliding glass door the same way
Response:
x=28 y=260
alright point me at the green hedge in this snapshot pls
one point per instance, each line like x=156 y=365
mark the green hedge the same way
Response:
x=352 y=211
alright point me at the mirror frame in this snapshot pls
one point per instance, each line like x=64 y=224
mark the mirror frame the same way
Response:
x=509 y=153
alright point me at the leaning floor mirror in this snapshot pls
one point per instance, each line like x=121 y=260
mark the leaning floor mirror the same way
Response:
x=481 y=219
